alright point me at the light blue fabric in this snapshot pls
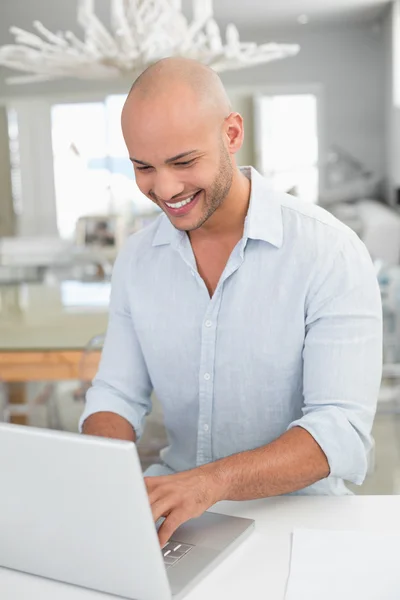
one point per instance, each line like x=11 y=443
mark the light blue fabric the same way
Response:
x=291 y=337
x=158 y=470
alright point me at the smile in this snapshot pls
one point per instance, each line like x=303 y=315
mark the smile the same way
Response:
x=182 y=203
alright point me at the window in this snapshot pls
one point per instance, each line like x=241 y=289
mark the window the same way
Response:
x=286 y=128
x=92 y=171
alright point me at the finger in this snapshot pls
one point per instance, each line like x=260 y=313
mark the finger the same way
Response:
x=154 y=482
x=160 y=492
x=170 y=525
x=151 y=483
x=163 y=507
x=155 y=496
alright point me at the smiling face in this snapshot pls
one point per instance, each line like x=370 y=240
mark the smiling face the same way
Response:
x=181 y=152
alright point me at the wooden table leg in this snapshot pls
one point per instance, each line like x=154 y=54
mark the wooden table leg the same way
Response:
x=17 y=400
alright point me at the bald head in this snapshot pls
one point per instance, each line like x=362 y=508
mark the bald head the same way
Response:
x=174 y=78
x=182 y=136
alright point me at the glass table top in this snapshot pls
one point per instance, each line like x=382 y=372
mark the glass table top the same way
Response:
x=57 y=316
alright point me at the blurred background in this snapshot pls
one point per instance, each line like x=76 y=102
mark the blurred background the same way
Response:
x=323 y=125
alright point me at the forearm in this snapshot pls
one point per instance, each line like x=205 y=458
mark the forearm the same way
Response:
x=290 y=463
x=109 y=424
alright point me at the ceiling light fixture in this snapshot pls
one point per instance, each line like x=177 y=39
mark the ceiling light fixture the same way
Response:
x=142 y=32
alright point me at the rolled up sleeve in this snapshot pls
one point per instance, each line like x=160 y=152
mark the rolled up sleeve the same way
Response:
x=122 y=384
x=343 y=359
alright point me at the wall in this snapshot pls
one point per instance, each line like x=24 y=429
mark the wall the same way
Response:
x=389 y=90
x=395 y=115
x=392 y=98
x=395 y=31
x=7 y=219
x=38 y=216
x=348 y=62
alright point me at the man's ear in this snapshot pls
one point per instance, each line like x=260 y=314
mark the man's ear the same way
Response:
x=234 y=131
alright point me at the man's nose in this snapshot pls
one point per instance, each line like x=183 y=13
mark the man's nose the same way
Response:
x=166 y=186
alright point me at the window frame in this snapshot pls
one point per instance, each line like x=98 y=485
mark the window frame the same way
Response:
x=314 y=89
x=36 y=156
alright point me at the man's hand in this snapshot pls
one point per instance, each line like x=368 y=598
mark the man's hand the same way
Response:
x=183 y=496
x=291 y=462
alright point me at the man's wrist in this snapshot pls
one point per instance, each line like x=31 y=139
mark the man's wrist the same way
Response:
x=217 y=473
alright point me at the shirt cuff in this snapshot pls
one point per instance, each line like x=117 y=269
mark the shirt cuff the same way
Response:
x=346 y=445
x=103 y=402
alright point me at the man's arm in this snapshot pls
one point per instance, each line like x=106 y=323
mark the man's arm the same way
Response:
x=290 y=463
x=108 y=424
x=341 y=377
x=342 y=371
x=119 y=399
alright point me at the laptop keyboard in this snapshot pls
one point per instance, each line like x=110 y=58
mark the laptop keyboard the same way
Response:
x=174 y=551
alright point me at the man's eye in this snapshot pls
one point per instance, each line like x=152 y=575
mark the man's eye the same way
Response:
x=145 y=168
x=185 y=163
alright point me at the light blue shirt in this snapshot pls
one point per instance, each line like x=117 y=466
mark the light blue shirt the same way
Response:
x=291 y=337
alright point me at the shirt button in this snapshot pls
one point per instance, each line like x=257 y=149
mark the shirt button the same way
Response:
x=206 y=428
x=193 y=274
x=208 y=323
x=207 y=376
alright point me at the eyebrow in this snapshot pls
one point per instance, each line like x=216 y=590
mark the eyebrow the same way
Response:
x=169 y=160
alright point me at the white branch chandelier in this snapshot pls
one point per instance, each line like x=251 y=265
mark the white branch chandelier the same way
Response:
x=143 y=31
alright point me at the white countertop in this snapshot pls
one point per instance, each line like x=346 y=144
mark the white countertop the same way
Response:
x=257 y=569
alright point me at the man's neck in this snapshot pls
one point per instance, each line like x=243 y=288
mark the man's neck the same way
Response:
x=228 y=219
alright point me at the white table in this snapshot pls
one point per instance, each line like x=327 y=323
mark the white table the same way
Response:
x=259 y=568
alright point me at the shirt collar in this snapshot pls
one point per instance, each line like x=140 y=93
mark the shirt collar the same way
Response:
x=263 y=220
x=264 y=217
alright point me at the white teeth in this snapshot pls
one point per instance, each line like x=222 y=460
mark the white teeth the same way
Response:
x=180 y=204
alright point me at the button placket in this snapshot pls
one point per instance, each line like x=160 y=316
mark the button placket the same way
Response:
x=206 y=376
x=207 y=364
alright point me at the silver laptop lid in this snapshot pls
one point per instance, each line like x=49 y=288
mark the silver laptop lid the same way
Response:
x=73 y=507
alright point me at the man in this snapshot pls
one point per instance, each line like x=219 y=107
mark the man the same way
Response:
x=255 y=317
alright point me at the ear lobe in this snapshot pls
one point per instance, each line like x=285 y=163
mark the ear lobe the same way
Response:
x=235 y=132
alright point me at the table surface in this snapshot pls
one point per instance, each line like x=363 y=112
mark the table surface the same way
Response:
x=59 y=316
x=259 y=567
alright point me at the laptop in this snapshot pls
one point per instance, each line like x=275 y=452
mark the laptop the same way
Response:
x=74 y=508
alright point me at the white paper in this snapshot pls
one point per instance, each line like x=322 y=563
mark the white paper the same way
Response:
x=344 y=565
